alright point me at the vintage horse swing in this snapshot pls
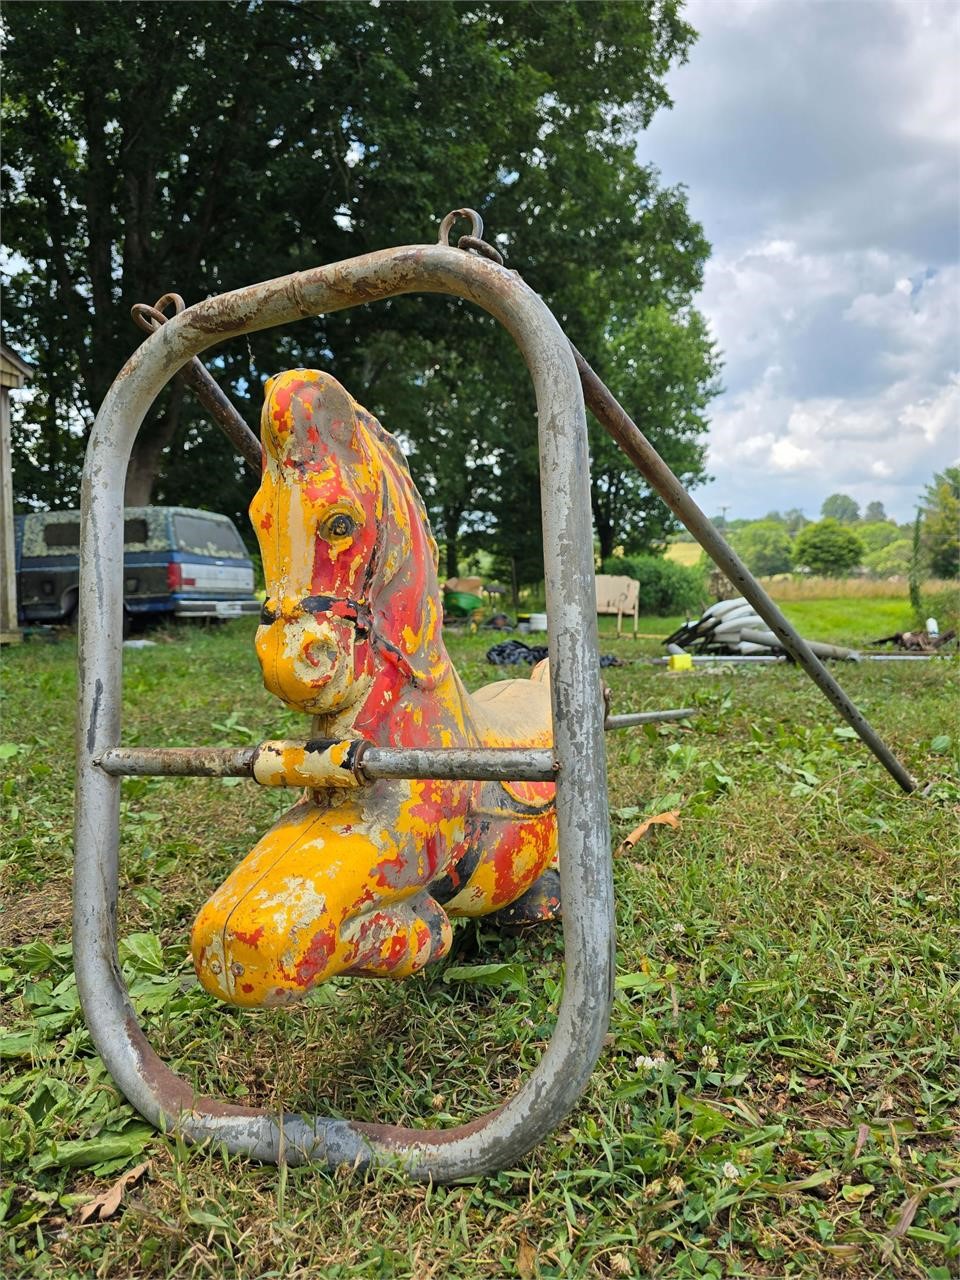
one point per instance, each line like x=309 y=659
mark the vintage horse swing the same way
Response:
x=419 y=802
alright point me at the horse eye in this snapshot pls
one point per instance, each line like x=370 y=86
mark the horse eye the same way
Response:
x=341 y=526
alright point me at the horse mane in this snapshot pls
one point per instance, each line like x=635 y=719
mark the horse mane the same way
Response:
x=390 y=446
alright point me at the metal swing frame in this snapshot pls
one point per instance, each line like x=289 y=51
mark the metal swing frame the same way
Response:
x=500 y=1137
x=561 y=379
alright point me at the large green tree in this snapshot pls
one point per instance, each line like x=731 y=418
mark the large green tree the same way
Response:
x=840 y=507
x=765 y=547
x=199 y=147
x=940 y=523
x=662 y=366
x=828 y=548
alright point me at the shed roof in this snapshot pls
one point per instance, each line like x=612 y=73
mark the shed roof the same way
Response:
x=14 y=370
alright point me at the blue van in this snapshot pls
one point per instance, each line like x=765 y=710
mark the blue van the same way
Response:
x=177 y=562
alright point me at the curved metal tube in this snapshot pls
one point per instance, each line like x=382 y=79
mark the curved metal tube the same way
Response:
x=502 y=1136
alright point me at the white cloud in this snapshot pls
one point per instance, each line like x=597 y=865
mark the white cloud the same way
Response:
x=787 y=456
x=818 y=144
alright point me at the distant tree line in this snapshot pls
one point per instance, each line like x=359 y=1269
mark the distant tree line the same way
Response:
x=843 y=540
x=205 y=146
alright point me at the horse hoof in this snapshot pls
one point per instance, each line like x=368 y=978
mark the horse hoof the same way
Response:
x=539 y=905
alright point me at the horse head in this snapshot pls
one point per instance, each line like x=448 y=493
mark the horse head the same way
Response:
x=349 y=560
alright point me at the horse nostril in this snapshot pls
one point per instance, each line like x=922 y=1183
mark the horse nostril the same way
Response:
x=319 y=653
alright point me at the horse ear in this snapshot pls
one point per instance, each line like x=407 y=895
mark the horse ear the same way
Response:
x=335 y=411
x=304 y=409
x=407 y=596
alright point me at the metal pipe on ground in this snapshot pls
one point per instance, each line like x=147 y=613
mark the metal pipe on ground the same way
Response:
x=715 y=659
x=821 y=650
x=631 y=718
x=620 y=426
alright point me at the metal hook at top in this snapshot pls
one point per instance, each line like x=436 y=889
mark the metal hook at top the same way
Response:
x=476 y=224
x=151 y=318
x=473 y=242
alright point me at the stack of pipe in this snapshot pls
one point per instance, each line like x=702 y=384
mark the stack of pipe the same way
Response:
x=733 y=627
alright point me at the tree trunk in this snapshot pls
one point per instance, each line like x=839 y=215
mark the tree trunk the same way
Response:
x=604 y=526
x=451 y=527
x=147 y=457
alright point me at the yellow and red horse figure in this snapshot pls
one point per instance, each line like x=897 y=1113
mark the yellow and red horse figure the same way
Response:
x=365 y=881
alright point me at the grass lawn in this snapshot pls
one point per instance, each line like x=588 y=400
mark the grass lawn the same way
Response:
x=779 y=1095
x=853 y=622
x=685 y=553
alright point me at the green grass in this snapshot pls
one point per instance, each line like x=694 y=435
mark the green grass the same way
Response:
x=791 y=954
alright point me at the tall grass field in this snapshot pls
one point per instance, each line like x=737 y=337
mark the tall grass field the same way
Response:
x=779 y=1093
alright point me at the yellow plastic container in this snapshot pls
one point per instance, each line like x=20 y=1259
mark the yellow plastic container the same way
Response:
x=680 y=662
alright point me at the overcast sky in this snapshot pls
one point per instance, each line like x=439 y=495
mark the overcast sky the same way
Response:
x=818 y=140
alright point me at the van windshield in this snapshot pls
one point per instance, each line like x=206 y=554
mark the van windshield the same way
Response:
x=204 y=537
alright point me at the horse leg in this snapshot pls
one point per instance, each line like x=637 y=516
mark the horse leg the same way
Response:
x=539 y=905
x=507 y=863
x=400 y=940
x=328 y=890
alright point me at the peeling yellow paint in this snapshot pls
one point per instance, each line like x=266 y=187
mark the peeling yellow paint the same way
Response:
x=355 y=881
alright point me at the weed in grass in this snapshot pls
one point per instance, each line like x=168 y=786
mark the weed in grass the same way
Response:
x=779 y=1094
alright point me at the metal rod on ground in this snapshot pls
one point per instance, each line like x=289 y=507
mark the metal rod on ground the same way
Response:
x=630 y=718
x=715 y=658
x=616 y=421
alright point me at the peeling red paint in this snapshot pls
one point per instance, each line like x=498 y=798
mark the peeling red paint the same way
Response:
x=321 y=947
x=249 y=939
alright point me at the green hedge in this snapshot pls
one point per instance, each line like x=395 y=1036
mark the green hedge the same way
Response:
x=665 y=587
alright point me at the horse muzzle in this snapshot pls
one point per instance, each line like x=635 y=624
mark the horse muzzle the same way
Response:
x=308 y=661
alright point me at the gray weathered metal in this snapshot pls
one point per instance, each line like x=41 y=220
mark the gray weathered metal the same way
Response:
x=512 y=764
x=495 y=1140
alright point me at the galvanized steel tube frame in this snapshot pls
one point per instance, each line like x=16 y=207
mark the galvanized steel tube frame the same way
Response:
x=494 y=1140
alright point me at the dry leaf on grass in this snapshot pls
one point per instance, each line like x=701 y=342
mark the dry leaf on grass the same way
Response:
x=863 y=1133
x=909 y=1210
x=526 y=1259
x=669 y=819
x=104 y=1206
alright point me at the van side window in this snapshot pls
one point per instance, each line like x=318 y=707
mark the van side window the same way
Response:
x=135 y=530
x=207 y=537
x=65 y=535
x=62 y=535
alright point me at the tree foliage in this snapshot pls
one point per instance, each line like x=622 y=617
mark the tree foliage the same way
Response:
x=828 y=548
x=877 y=535
x=892 y=558
x=940 y=523
x=840 y=507
x=662 y=367
x=200 y=147
x=874 y=513
x=765 y=547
